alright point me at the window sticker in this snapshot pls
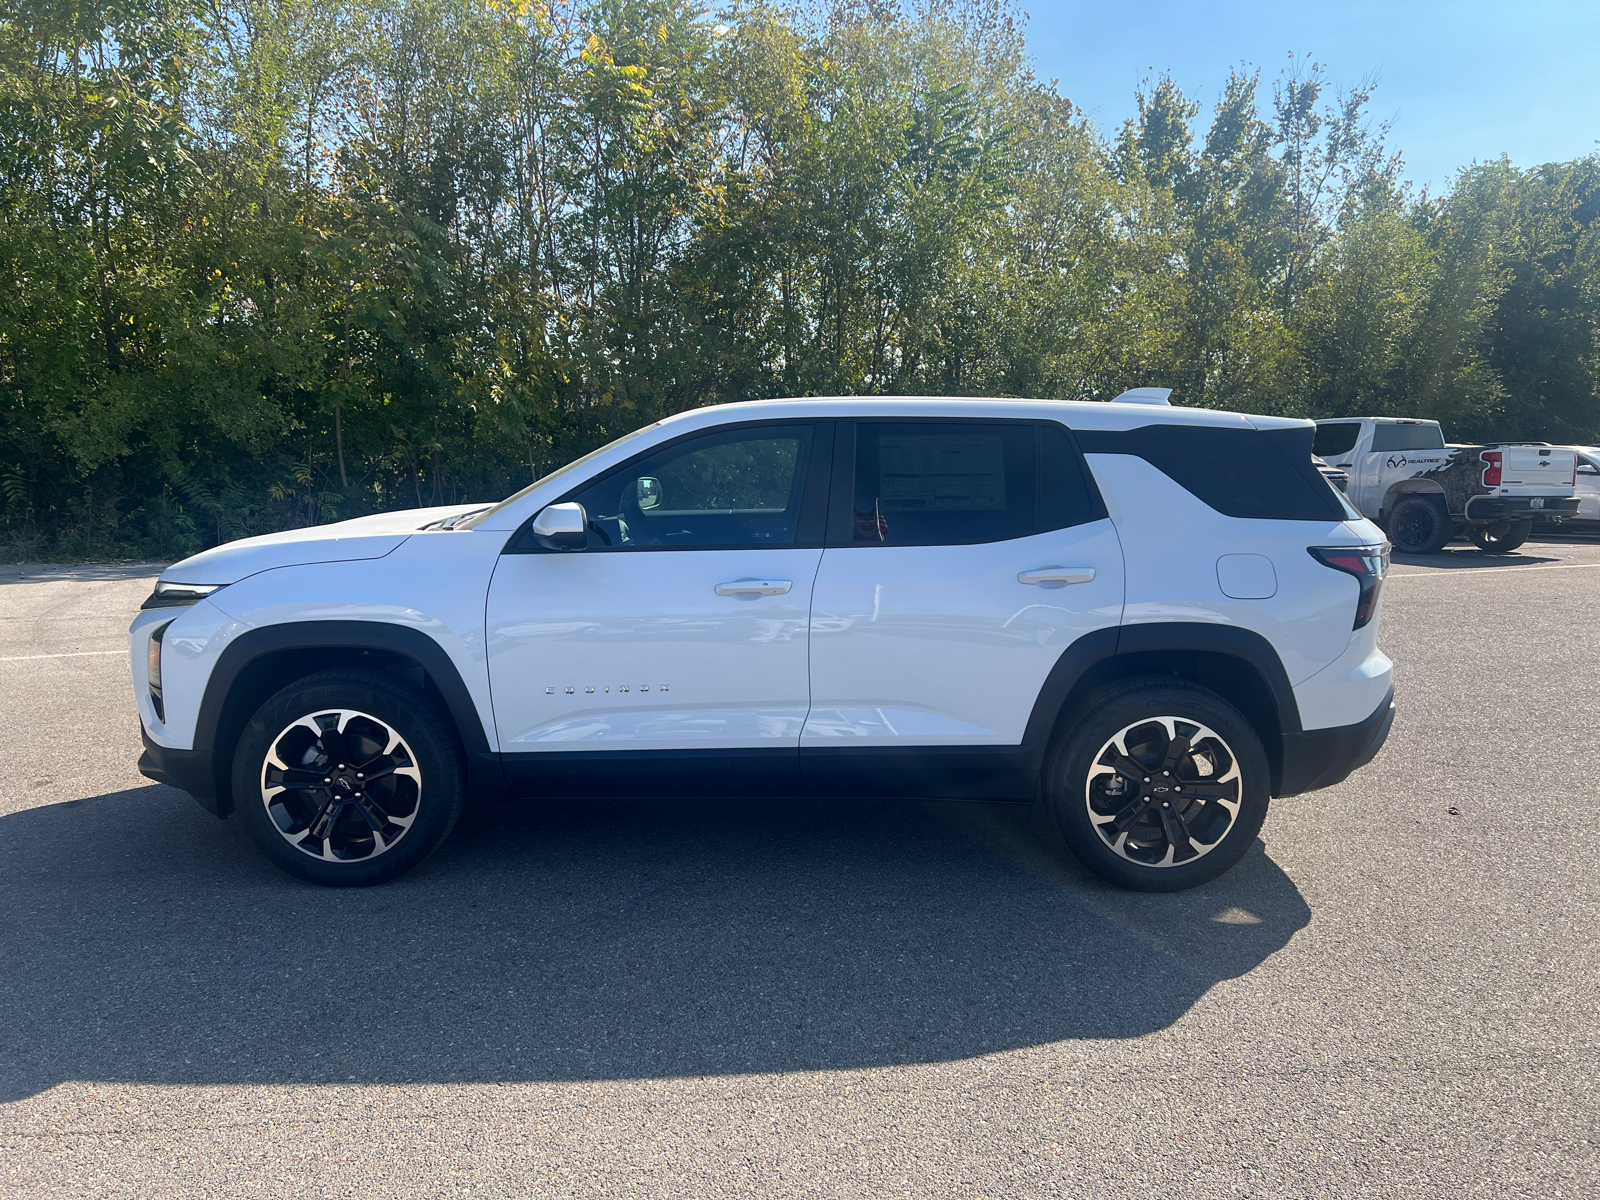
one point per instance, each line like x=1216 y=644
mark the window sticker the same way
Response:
x=941 y=472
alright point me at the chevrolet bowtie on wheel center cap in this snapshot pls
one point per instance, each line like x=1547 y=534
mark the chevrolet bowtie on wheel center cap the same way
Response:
x=341 y=785
x=1163 y=792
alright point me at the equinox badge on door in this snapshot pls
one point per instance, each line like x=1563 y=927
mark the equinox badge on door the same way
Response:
x=570 y=691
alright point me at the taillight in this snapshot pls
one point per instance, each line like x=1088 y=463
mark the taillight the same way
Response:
x=1491 y=468
x=1368 y=564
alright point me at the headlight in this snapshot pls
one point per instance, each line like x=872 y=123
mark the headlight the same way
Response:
x=154 y=673
x=179 y=595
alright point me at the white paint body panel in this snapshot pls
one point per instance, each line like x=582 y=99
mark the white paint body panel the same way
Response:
x=1587 y=487
x=672 y=664
x=1171 y=541
x=434 y=583
x=1351 y=687
x=345 y=541
x=196 y=636
x=942 y=645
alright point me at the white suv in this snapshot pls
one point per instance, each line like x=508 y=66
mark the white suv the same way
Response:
x=1155 y=618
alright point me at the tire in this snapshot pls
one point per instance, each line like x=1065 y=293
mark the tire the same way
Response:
x=1421 y=525
x=1502 y=538
x=1114 y=821
x=347 y=827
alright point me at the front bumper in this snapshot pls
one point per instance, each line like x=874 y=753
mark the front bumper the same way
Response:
x=1319 y=758
x=1520 y=508
x=187 y=770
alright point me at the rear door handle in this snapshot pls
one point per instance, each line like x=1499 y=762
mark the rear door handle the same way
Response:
x=1057 y=575
x=755 y=587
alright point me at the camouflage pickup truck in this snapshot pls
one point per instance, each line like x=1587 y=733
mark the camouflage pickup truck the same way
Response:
x=1423 y=492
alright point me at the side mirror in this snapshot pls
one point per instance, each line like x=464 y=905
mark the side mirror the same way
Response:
x=647 y=492
x=562 y=527
x=1586 y=469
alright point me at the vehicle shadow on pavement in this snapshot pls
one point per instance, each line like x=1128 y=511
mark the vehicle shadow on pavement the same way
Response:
x=1469 y=558
x=142 y=940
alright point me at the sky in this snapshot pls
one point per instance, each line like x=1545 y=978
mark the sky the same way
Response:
x=1462 y=82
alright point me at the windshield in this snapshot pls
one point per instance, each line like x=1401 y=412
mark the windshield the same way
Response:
x=476 y=519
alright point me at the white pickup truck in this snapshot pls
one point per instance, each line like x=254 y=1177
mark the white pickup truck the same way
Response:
x=1423 y=492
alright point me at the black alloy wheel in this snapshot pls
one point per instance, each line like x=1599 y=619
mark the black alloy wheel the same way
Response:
x=1420 y=525
x=341 y=785
x=1158 y=784
x=347 y=778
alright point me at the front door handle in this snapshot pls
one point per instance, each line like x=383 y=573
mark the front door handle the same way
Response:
x=1057 y=575
x=755 y=587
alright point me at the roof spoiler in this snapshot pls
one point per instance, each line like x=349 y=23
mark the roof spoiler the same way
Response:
x=1144 y=396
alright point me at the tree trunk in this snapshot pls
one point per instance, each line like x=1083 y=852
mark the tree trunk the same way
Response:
x=338 y=442
x=338 y=406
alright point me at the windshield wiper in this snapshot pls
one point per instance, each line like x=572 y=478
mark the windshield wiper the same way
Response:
x=452 y=522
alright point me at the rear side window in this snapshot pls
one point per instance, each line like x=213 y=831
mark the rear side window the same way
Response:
x=1335 y=439
x=1257 y=474
x=930 y=483
x=1407 y=437
x=1065 y=497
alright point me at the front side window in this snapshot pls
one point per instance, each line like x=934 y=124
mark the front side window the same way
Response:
x=738 y=487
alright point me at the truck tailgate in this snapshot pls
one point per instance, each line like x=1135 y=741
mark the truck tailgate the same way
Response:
x=1537 y=471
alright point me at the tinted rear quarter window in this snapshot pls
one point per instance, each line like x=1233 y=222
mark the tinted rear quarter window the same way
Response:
x=1257 y=474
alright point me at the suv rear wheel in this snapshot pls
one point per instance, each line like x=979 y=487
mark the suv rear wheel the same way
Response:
x=347 y=778
x=1421 y=525
x=1158 y=785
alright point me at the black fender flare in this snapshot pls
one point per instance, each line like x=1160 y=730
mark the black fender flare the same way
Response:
x=1155 y=638
x=220 y=710
x=1231 y=640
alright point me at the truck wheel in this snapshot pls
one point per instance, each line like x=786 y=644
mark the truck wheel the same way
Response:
x=1157 y=785
x=1502 y=538
x=1421 y=525
x=347 y=778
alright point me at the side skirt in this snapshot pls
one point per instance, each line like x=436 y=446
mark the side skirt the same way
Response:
x=583 y=773
x=931 y=772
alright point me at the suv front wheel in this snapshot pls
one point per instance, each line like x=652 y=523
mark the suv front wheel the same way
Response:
x=347 y=778
x=1157 y=784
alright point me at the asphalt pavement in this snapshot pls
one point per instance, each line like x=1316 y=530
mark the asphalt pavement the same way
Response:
x=1394 y=994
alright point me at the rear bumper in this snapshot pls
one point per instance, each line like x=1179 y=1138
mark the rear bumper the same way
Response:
x=187 y=770
x=1520 y=508
x=1319 y=758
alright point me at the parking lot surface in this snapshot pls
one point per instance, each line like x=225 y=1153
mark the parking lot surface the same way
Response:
x=1395 y=994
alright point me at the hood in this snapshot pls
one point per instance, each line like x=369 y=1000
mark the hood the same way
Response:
x=346 y=541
